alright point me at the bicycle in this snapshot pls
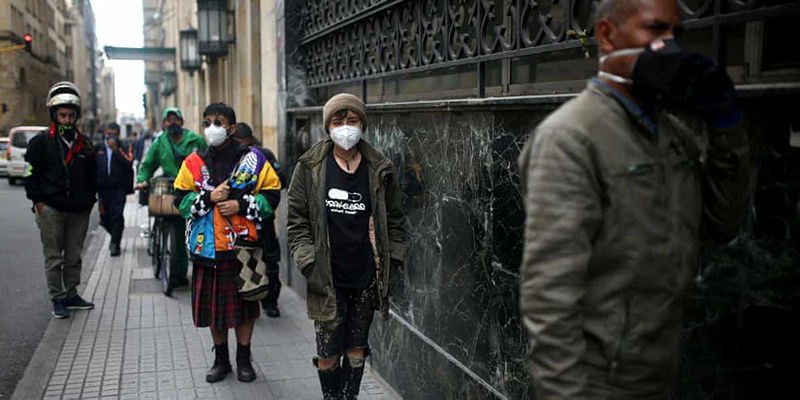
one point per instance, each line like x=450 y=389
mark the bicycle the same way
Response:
x=162 y=242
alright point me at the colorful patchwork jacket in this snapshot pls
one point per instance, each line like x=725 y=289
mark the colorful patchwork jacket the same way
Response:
x=212 y=236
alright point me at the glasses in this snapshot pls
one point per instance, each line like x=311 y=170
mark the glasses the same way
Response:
x=217 y=122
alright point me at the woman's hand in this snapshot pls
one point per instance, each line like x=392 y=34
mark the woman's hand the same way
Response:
x=220 y=193
x=228 y=208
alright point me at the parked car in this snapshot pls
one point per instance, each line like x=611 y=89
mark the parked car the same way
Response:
x=17 y=145
x=3 y=157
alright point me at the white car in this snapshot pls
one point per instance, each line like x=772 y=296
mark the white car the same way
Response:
x=17 y=145
x=3 y=156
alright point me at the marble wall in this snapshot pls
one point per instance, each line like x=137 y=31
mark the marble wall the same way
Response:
x=455 y=331
x=455 y=312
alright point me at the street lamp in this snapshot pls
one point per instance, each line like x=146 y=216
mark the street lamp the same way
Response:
x=213 y=34
x=190 y=58
x=169 y=83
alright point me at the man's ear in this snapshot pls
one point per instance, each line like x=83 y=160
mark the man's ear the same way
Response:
x=605 y=31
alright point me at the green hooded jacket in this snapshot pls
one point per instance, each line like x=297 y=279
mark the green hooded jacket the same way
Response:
x=308 y=226
x=161 y=154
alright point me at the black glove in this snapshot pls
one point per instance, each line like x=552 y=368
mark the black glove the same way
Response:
x=706 y=88
x=686 y=79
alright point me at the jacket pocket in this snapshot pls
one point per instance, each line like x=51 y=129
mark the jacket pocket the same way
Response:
x=315 y=282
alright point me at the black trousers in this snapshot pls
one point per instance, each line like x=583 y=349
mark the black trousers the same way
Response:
x=273 y=274
x=112 y=213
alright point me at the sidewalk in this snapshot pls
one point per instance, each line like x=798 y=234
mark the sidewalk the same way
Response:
x=139 y=344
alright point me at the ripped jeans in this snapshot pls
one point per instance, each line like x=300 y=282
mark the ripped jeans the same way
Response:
x=355 y=309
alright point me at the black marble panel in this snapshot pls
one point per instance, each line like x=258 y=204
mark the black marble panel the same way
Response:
x=457 y=332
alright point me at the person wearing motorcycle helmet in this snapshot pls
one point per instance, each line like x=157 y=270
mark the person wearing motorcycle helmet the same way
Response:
x=61 y=181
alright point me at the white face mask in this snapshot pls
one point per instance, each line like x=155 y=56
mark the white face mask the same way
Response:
x=215 y=135
x=346 y=136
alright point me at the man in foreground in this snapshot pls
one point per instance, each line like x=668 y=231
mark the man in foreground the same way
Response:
x=620 y=185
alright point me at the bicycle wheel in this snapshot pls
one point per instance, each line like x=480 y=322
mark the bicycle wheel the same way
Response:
x=169 y=251
x=153 y=247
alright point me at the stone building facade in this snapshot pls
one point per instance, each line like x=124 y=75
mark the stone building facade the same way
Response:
x=244 y=78
x=453 y=90
x=107 y=112
x=63 y=48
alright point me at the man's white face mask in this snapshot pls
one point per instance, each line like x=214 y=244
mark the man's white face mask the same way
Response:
x=215 y=135
x=346 y=136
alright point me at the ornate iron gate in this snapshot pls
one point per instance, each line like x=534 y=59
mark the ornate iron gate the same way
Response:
x=350 y=41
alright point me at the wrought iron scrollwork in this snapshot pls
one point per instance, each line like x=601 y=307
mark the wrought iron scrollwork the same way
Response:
x=354 y=39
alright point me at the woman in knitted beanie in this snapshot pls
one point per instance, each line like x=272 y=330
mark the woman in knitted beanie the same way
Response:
x=345 y=230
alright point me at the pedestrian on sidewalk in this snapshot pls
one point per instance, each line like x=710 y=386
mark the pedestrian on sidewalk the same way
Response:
x=61 y=182
x=168 y=152
x=621 y=184
x=346 y=232
x=269 y=239
x=220 y=192
x=114 y=183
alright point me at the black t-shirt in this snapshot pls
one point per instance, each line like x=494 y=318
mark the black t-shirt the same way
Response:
x=348 y=206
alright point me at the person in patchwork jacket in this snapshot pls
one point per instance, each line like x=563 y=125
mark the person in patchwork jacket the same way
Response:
x=220 y=192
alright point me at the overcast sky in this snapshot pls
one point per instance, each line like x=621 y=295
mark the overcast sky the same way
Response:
x=119 y=23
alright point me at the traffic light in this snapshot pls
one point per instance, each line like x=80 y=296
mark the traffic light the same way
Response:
x=28 y=38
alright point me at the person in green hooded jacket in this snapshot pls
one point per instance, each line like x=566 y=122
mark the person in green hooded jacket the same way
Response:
x=168 y=151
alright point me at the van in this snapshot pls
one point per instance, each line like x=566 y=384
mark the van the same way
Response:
x=17 y=145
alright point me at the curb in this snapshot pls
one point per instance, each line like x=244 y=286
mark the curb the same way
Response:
x=43 y=363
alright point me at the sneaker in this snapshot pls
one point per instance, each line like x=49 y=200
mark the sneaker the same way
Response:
x=77 y=303
x=60 y=309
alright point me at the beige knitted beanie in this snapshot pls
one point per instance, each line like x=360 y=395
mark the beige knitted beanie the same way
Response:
x=343 y=101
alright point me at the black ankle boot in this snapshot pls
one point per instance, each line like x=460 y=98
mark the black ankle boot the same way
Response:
x=329 y=380
x=244 y=364
x=351 y=377
x=222 y=364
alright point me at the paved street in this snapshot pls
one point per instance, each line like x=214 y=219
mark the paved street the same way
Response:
x=25 y=305
x=138 y=344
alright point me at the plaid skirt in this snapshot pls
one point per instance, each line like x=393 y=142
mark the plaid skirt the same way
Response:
x=215 y=301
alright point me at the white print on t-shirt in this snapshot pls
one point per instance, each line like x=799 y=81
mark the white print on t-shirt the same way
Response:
x=338 y=194
x=343 y=202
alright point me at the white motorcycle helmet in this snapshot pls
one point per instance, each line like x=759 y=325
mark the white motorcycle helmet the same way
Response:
x=63 y=94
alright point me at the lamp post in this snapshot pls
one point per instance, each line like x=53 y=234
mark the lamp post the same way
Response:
x=213 y=33
x=190 y=57
x=169 y=83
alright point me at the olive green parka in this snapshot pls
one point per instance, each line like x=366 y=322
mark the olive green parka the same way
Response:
x=308 y=226
x=616 y=207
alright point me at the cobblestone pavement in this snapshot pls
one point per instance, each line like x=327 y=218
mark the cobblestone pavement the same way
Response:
x=139 y=344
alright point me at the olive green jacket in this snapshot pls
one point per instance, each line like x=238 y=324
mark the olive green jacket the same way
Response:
x=615 y=212
x=308 y=226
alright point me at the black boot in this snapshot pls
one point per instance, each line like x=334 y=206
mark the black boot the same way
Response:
x=244 y=363
x=329 y=380
x=114 y=249
x=222 y=364
x=352 y=372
